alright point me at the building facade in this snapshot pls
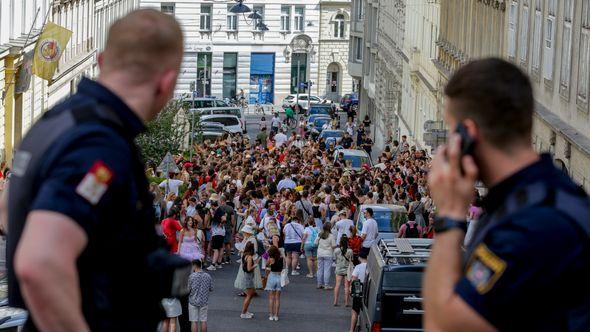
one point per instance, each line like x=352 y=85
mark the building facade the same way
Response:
x=333 y=78
x=550 y=40
x=225 y=52
x=421 y=87
x=376 y=63
x=21 y=22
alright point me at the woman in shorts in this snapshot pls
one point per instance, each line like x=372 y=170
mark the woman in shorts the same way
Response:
x=274 y=266
x=311 y=250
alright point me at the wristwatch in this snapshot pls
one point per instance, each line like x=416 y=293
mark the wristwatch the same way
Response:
x=443 y=224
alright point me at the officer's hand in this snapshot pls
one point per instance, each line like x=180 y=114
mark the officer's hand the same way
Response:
x=452 y=191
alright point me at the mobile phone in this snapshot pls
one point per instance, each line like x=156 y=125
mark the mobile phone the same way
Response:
x=467 y=142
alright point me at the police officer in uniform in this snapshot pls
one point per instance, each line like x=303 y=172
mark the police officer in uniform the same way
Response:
x=528 y=264
x=80 y=216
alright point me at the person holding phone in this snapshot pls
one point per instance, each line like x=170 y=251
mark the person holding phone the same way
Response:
x=526 y=266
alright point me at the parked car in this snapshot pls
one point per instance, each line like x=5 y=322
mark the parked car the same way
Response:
x=357 y=158
x=389 y=218
x=350 y=100
x=211 y=131
x=304 y=101
x=204 y=102
x=315 y=127
x=335 y=135
x=230 y=123
x=392 y=299
x=222 y=110
x=319 y=109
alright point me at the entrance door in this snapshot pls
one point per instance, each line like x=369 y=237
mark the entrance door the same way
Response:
x=262 y=72
x=298 y=72
x=333 y=82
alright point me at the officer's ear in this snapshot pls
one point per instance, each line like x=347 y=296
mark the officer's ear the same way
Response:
x=166 y=83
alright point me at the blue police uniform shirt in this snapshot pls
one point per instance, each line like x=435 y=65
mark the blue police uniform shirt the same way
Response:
x=75 y=155
x=108 y=207
x=532 y=268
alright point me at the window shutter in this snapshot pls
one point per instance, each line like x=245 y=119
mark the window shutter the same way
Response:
x=549 y=48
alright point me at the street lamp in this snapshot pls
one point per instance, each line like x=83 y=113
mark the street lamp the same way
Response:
x=240 y=8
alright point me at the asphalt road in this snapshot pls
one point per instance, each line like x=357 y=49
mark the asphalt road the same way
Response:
x=303 y=307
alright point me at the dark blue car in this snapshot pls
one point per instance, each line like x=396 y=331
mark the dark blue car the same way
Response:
x=350 y=100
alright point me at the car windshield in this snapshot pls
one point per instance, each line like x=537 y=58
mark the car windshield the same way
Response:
x=204 y=103
x=320 y=122
x=386 y=222
x=336 y=134
x=357 y=161
x=221 y=103
x=230 y=111
x=224 y=121
x=319 y=110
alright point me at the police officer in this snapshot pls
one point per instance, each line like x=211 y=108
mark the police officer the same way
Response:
x=527 y=266
x=80 y=213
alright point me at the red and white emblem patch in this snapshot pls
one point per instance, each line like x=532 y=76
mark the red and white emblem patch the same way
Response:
x=95 y=183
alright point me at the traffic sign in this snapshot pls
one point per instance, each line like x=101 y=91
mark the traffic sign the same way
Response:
x=168 y=165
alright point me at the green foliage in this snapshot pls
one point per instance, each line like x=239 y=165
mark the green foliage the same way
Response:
x=167 y=132
x=156 y=179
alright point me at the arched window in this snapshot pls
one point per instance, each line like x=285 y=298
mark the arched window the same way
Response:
x=339 y=26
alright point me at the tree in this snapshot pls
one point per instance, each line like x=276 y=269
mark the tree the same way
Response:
x=167 y=132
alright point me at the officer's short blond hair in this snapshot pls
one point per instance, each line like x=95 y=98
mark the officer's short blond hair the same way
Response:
x=143 y=43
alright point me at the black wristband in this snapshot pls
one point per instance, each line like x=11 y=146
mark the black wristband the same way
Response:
x=443 y=224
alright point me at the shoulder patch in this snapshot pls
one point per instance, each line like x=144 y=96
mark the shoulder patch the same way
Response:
x=484 y=269
x=95 y=183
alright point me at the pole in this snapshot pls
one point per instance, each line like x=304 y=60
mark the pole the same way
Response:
x=205 y=76
x=298 y=71
x=192 y=140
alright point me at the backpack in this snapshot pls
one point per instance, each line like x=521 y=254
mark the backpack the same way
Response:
x=412 y=232
x=356 y=288
x=313 y=237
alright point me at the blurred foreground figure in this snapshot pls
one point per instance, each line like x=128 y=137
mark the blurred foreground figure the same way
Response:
x=527 y=265
x=82 y=249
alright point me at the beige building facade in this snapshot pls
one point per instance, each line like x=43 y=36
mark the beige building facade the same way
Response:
x=421 y=82
x=550 y=40
x=333 y=78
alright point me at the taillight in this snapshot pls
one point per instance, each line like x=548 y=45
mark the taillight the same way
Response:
x=376 y=327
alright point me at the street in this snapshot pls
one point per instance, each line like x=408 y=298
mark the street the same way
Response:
x=303 y=307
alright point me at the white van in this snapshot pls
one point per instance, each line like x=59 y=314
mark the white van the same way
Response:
x=222 y=111
x=230 y=123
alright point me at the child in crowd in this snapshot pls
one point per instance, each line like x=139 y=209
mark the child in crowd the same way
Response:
x=200 y=285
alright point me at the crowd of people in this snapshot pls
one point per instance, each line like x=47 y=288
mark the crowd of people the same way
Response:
x=275 y=199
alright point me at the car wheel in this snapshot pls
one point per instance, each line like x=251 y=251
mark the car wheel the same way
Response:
x=355 y=107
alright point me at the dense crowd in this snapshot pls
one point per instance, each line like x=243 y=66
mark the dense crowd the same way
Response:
x=281 y=197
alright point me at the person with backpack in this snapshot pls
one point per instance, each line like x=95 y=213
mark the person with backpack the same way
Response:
x=410 y=229
x=310 y=234
x=359 y=274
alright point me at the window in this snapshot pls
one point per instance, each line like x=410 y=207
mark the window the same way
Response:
x=339 y=26
x=260 y=10
x=285 y=18
x=549 y=47
x=167 y=8
x=566 y=50
x=299 y=18
x=536 y=63
x=232 y=20
x=358 y=49
x=524 y=32
x=360 y=10
x=584 y=67
x=512 y=20
x=230 y=64
x=205 y=23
